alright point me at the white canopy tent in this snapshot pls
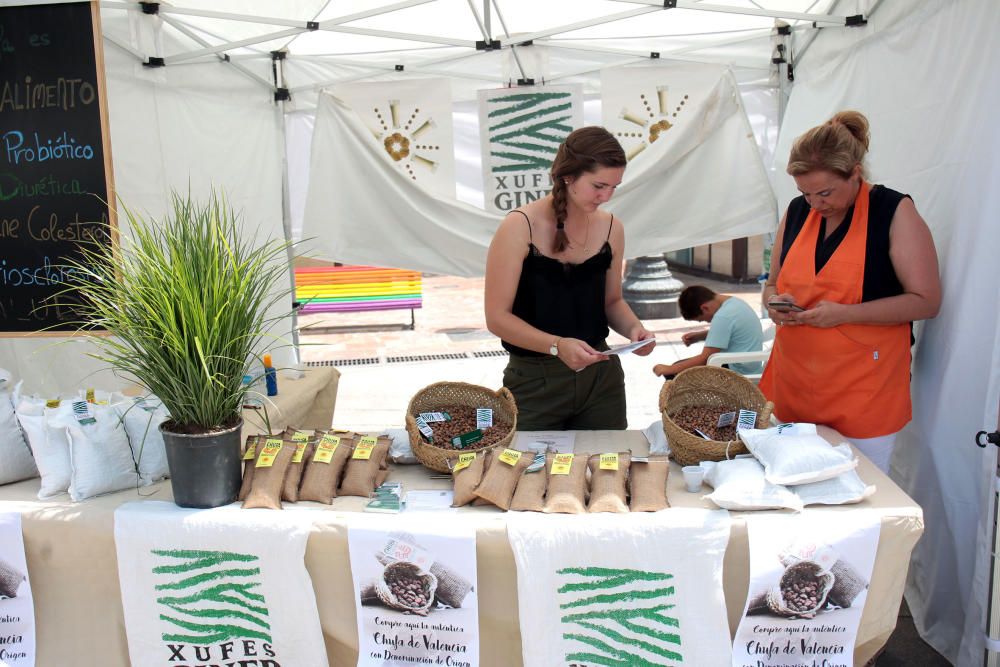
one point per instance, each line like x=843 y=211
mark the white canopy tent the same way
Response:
x=223 y=93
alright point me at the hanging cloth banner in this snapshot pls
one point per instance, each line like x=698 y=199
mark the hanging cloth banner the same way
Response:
x=17 y=608
x=520 y=130
x=414 y=591
x=622 y=589
x=411 y=128
x=693 y=160
x=209 y=587
x=808 y=585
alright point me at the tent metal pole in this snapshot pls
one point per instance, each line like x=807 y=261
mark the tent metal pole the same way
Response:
x=479 y=21
x=219 y=48
x=637 y=54
x=183 y=29
x=413 y=70
x=205 y=13
x=384 y=9
x=570 y=27
x=125 y=47
x=487 y=20
x=513 y=50
x=410 y=37
x=747 y=11
x=286 y=210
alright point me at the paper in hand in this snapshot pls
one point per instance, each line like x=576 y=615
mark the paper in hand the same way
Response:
x=628 y=347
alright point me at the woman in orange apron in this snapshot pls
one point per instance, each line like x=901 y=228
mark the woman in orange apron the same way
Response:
x=853 y=266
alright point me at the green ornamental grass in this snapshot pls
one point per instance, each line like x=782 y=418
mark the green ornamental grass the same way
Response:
x=185 y=300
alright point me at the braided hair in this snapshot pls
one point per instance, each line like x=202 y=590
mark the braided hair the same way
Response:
x=838 y=145
x=584 y=150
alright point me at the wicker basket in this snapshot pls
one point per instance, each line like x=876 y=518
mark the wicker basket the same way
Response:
x=433 y=397
x=712 y=386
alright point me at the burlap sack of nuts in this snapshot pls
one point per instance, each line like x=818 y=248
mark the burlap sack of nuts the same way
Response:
x=607 y=487
x=250 y=452
x=405 y=587
x=847 y=581
x=303 y=452
x=802 y=590
x=10 y=579
x=265 y=493
x=647 y=482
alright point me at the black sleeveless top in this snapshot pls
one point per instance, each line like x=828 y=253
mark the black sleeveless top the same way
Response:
x=563 y=299
x=880 y=277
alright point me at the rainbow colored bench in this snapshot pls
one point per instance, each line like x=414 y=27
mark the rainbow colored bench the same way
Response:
x=340 y=289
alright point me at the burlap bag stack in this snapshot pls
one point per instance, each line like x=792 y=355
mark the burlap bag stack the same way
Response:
x=648 y=484
x=321 y=478
x=265 y=493
x=500 y=479
x=566 y=494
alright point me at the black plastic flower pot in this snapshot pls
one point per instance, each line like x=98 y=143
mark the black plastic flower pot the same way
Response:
x=205 y=469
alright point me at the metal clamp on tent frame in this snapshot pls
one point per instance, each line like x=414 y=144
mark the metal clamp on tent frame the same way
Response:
x=492 y=45
x=282 y=95
x=150 y=7
x=154 y=61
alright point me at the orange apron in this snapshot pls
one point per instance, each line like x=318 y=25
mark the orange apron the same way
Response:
x=853 y=377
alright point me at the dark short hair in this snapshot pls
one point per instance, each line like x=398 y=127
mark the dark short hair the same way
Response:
x=691 y=300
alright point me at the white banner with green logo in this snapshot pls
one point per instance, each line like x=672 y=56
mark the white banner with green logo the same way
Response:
x=520 y=130
x=17 y=609
x=208 y=587
x=622 y=589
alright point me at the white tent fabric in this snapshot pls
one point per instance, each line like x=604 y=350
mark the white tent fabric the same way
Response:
x=704 y=182
x=934 y=136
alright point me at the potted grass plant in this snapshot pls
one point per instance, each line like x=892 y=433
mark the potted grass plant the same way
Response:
x=185 y=301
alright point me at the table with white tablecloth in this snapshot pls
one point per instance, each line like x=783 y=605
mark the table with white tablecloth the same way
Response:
x=72 y=564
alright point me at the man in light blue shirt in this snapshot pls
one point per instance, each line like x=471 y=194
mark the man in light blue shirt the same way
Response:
x=735 y=327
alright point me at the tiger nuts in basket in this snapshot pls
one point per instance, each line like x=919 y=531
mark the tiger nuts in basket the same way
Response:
x=705 y=418
x=463 y=420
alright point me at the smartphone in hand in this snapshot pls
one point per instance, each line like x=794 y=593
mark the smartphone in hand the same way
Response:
x=785 y=306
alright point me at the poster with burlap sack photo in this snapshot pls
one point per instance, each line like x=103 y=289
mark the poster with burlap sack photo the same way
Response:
x=809 y=578
x=415 y=591
x=17 y=608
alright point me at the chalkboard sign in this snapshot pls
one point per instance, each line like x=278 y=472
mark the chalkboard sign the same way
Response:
x=55 y=172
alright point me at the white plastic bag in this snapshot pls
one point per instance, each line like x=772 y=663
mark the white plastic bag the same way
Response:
x=797 y=455
x=100 y=455
x=49 y=444
x=142 y=418
x=16 y=461
x=739 y=484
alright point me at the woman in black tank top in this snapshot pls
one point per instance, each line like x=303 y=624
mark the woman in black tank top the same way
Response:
x=553 y=291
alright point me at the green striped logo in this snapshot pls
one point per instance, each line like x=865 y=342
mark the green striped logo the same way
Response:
x=527 y=128
x=209 y=597
x=619 y=617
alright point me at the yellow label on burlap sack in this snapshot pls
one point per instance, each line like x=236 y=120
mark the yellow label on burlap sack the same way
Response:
x=609 y=461
x=251 y=452
x=464 y=461
x=325 y=448
x=300 y=436
x=510 y=457
x=561 y=464
x=300 y=452
x=363 y=450
x=269 y=453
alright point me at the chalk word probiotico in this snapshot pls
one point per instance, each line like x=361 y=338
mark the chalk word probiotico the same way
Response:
x=18 y=149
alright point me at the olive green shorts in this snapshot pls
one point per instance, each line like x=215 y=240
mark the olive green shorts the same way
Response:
x=552 y=397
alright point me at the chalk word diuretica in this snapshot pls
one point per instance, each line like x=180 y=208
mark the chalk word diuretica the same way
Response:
x=63 y=147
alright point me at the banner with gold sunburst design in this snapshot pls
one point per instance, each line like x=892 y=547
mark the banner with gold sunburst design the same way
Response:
x=520 y=130
x=642 y=105
x=411 y=127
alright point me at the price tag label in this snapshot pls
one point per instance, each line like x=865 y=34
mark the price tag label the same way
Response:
x=363 y=450
x=251 y=451
x=510 y=456
x=81 y=410
x=747 y=419
x=269 y=453
x=466 y=439
x=464 y=461
x=52 y=403
x=561 y=464
x=484 y=417
x=609 y=461
x=430 y=417
x=424 y=428
x=300 y=452
x=325 y=448
x=725 y=419
x=300 y=436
